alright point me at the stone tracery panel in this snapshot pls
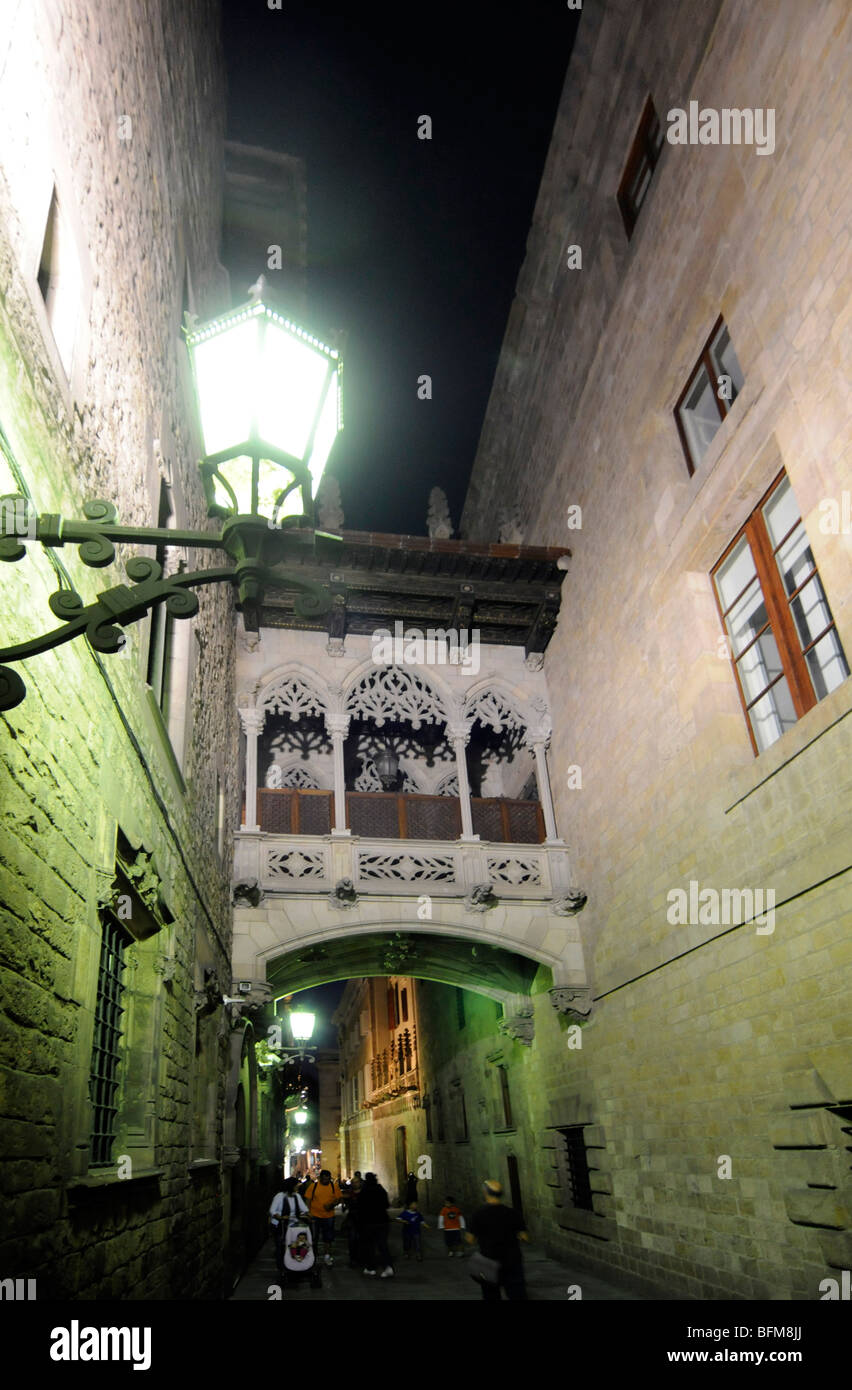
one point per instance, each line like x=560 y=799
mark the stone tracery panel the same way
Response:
x=293 y=696
x=395 y=693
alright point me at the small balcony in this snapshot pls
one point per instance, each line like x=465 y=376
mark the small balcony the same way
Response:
x=399 y=816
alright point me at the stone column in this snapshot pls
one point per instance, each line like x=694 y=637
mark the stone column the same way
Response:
x=459 y=734
x=337 y=726
x=543 y=782
x=252 y=721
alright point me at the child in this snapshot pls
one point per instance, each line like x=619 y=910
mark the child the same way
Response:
x=412 y=1224
x=451 y=1222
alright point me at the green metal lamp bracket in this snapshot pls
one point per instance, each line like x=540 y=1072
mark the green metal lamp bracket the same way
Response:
x=250 y=542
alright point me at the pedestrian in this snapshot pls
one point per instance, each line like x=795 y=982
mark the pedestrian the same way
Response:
x=373 y=1206
x=410 y=1189
x=286 y=1206
x=350 y=1226
x=451 y=1222
x=322 y=1196
x=498 y=1264
x=412 y=1224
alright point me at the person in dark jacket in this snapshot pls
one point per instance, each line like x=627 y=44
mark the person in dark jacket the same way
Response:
x=498 y=1229
x=373 y=1206
x=410 y=1189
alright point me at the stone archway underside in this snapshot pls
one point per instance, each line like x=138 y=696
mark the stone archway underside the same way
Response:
x=469 y=964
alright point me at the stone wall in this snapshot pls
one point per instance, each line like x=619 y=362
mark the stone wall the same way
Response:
x=704 y=1041
x=124 y=120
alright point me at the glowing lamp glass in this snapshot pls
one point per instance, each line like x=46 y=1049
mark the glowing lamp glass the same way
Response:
x=302 y=1025
x=269 y=408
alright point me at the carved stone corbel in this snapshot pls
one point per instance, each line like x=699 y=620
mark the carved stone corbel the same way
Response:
x=481 y=898
x=570 y=903
x=343 y=894
x=573 y=1000
x=520 y=1026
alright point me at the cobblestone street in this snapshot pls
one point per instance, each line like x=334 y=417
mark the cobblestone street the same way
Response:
x=437 y=1278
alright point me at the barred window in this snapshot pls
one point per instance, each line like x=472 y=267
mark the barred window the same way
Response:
x=106 y=1043
x=575 y=1166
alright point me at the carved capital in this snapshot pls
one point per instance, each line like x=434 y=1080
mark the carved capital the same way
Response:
x=534 y=661
x=337 y=724
x=573 y=1000
x=252 y=719
x=459 y=733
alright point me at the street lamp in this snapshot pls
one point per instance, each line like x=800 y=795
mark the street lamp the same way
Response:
x=302 y=1024
x=269 y=409
x=301 y=1117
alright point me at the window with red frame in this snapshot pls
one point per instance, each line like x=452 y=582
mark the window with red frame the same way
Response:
x=781 y=634
x=713 y=386
x=641 y=162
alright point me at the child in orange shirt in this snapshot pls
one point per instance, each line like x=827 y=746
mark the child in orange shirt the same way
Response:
x=451 y=1222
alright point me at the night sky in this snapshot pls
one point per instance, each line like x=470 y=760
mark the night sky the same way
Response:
x=414 y=245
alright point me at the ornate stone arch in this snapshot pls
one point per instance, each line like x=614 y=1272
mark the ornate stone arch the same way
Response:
x=448 y=785
x=293 y=691
x=496 y=708
x=295 y=773
x=382 y=692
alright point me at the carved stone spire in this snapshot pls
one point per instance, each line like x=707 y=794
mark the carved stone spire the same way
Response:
x=329 y=505
x=438 y=521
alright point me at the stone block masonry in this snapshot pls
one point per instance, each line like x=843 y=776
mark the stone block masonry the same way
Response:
x=701 y=1044
x=109 y=803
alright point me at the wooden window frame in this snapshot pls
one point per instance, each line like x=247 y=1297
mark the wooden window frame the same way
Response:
x=642 y=151
x=780 y=619
x=723 y=406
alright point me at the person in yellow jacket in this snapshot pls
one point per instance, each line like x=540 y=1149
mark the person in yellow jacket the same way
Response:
x=322 y=1196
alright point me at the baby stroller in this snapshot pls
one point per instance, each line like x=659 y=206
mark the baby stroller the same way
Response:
x=300 y=1260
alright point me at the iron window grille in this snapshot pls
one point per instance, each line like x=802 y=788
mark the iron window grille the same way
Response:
x=714 y=384
x=641 y=162
x=106 y=1042
x=780 y=631
x=576 y=1166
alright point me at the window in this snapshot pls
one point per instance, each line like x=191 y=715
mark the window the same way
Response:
x=575 y=1167
x=439 y=1107
x=505 y=1097
x=460 y=1007
x=781 y=635
x=427 y=1106
x=405 y=1006
x=641 y=162
x=711 y=390
x=60 y=282
x=464 y=1135
x=106 y=1042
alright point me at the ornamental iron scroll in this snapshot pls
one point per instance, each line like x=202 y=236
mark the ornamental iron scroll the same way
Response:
x=394 y=693
x=252 y=547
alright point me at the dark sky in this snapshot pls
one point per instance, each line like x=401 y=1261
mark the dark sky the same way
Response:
x=414 y=245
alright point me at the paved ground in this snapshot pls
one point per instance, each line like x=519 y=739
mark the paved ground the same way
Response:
x=438 y=1278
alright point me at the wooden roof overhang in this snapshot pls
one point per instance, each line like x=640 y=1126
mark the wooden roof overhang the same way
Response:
x=510 y=593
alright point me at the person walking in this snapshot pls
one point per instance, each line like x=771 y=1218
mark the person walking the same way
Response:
x=286 y=1206
x=498 y=1229
x=413 y=1223
x=373 y=1206
x=351 y=1222
x=451 y=1222
x=322 y=1196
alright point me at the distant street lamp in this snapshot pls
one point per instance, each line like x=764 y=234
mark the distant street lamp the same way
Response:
x=269 y=409
x=301 y=1117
